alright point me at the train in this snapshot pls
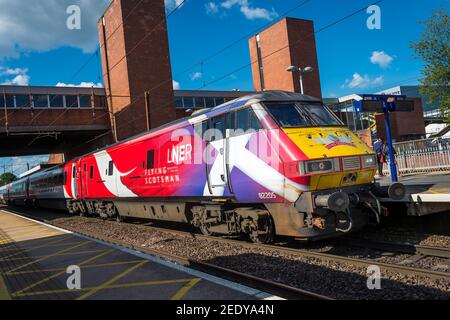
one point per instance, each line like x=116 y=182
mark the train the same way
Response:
x=270 y=164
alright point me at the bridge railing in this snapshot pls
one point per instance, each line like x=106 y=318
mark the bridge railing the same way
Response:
x=420 y=156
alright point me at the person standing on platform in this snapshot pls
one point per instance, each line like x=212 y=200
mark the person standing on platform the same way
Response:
x=380 y=150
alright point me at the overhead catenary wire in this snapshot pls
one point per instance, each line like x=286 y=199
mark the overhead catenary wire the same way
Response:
x=90 y=58
x=328 y=26
x=145 y=36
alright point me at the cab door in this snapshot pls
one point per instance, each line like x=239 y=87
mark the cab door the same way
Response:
x=74 y=181
x=216 y=155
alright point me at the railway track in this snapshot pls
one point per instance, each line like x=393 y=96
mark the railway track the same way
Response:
x=243 y=271
x=277 y=289
x=399 y=268
x=414 y=249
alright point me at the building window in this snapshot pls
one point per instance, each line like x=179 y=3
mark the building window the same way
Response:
x=10 y=101
x=22 y=101
x=199 y=103
x=85 y=101
x=188 y=102
x=220 y=101
x=2 y=102
x=179 y=102
x=71 y=101
x=40 y=101
x=210 y=103
x=56 y=101
x=100 y=102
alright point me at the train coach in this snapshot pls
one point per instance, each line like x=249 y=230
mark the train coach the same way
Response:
x=273 y=163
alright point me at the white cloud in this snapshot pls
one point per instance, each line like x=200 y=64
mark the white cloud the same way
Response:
x=172 y=4
x=381 y=58
x=365 y=81
x=15 y=76
x=176 y=85
x=15 y=71
x=211 y=8
x=250 y=12
x=196 y=75
x=81 y=85
x=258 y=13
x=41 y=25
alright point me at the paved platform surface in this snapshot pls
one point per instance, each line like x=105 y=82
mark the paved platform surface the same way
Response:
x=431 y=183
x=34 y=259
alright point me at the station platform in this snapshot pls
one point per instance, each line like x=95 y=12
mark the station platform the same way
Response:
x=35 y=257
x=427 y=193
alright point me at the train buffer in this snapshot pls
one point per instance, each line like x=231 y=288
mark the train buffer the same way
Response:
x=425 y=193
x=38 y=261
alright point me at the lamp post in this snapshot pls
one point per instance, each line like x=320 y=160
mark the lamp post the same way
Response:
x=300 y=71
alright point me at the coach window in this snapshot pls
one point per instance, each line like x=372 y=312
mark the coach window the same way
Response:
x=218 y=124
x=254 y=121
x=110 y=168
x=91 y=172
x=74 y=172
x=150 y=159
x=242 y=120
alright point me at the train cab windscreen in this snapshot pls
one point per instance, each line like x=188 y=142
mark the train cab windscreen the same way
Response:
x=302 y=115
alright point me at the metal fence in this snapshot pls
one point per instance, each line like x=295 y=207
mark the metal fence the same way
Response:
x=427 y=155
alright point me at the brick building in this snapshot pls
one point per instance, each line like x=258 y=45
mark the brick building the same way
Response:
x=288 y=42
x=135 y=59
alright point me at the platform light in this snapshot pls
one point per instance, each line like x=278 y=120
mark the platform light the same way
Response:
x=301 y=71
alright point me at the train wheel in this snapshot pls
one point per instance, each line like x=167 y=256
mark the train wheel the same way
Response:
x=265 y=232
x=205 y=230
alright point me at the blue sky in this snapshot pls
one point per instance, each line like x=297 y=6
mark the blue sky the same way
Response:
x=37 y=49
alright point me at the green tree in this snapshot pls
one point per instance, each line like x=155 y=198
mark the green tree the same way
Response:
x=433 y=49
x=6 y=178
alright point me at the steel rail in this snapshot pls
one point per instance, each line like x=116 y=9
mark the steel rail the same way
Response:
x=305 y=253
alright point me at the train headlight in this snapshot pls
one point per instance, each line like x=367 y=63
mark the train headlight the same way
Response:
x=369 y=161
x=319 y=166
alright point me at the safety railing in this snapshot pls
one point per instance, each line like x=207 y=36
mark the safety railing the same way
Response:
x=421 y=156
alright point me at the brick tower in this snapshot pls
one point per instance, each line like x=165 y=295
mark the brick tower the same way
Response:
x=288 y=42
x=135 y=59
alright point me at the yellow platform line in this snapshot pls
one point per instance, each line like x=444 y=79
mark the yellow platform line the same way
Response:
x=49 y=256
x=4 y=293
x=87 y=266
x=52 y=243
x=105 y=252
x=111 y=281
x=56 y=255
x=112 y=286
x=183 y=291
x=40 y=247
x=34 y=240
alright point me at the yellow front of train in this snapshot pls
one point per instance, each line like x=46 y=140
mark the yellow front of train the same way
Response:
x=339 y=167
x=337 y=157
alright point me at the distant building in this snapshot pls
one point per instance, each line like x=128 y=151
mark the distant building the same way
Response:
x=413 y=92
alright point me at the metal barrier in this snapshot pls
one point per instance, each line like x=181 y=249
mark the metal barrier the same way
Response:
x=427 y=155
